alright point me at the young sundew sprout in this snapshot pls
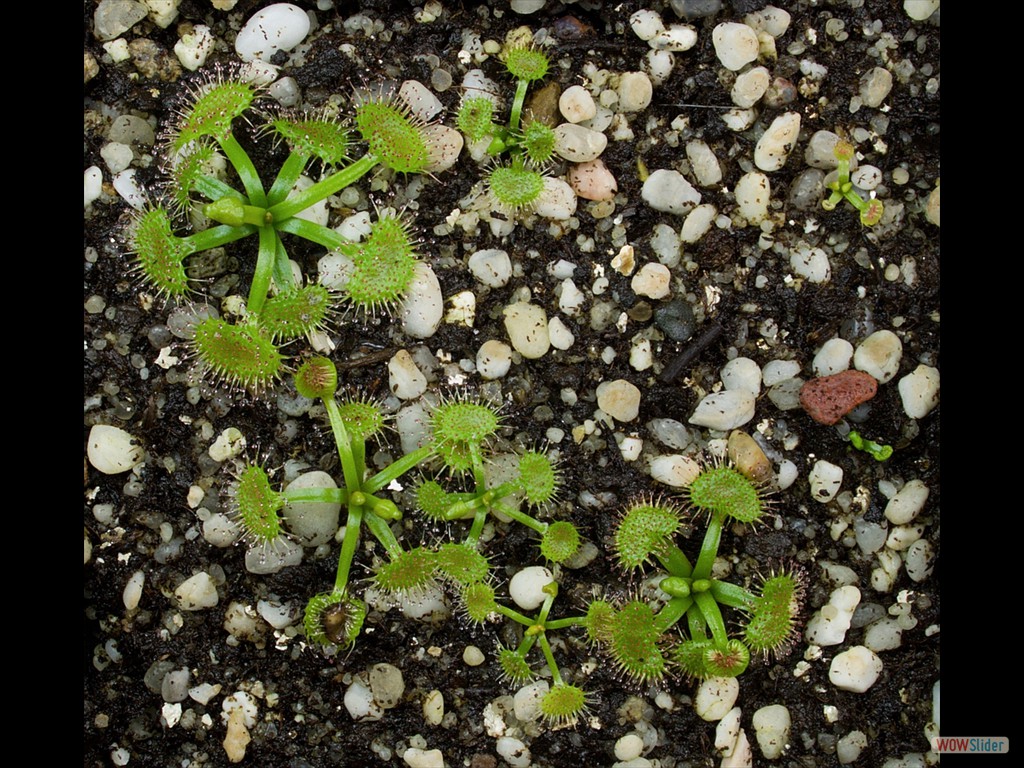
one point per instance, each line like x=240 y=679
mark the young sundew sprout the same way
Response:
x=201 y=143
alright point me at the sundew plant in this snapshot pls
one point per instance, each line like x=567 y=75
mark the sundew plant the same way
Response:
x=280 y=306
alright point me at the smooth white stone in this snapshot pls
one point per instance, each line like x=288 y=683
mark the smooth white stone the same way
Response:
x=111 y=450
x=493 y=359
x=771 y=728
x=635 y=91
x=753 y=193
x=557 y=200
x=833 y=357
x=919 y=391
x=674 y=470
x=646 y=24
x=812 y=264
x=619 y=399
x=907 y=503
x=491 y=266
x=312 y=522
x=735 y=44
x=703 y=162
x=560 y=334
x=668 y=191
x=423 y=306
x=715 y=697
x=750 y=87
x=278 y=27
x=197 y=592
x=578 y=143
x=698 y=223
x=527 y=327
x=405 y=380
x=855 y=670
x=653 y=281
x=826 y=479
x=773 y=148
x=576 y=104
x=879 y=355
x=723 y=411
x=742 y=374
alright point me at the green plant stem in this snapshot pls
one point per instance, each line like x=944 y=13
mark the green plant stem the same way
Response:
x=696 y=624
x=731 y=595
x=515 y=615
x=709 y=547
x=479 y=520
x=712 y=617
x=265 y=261
x=348 y=546
x=214 y=237
x=572 y=621
x=519 y=517
x=324 y=188
x=674 y=561
x=286 y=177
x=672 y=612
x=398 y=468
x=380 y=530
x=246 y=170
x=316 y=495
x=353 y=481
x=284 y=278
x=316 y=233
x=545 y=646
x=215 y=189
x=517 y=105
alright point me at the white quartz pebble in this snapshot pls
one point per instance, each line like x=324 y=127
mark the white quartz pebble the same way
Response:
x=493 y=359
x=576 y=104
x=771 y=727
x=312 y=522
x=773 y=148
x=278 y=27
x=668 y=191
x=526 y=588
x=919 y=391
x=811 y=264
x=674 y=470
x=111 y=450
x=423 y=305
x=855 y=670
x=415 y=757
x=635 y=91
x=715 y=697
x=527 y=327
x=753 y=193
x=907 y=503
x=556 y=201
x=724 y=410
x=826 y=478
x=735 y=44
x=592 y=180
x=646 y=24
x=833 y=357
x=578 y=143
x=880 y=355
x=197 y=592
x=829 y=624
x=750 y=87
x=653 y=281
x=619 y=399
x=742 y=374
x=405 y=380
x=491 y=266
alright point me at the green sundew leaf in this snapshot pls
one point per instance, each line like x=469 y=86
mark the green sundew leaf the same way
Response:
x=159 y=253
x=474 y=117
x=334 y=618
x=560 y=541
x=478 y=599
x=191 y=163
x=457 y=426
x=514 y=186
x=772 y=624
x=634 y=643
x=538 y=141
x=240 y=355
x=384 y=265
x=598 y=621
x=363 y=418
x=644 y=530
x=527 y=63
x=462 y=564
x=296 y=313
x=724 y=489
x=410 y=572
x=434 y=500
x=316 y=378
x=395 y=137
x=211 y=110
x=730 y=661
x=563 y=704
x=257 y=506
x=538 y=477
x=691 y=657
x=513 y=666
x=326 y=140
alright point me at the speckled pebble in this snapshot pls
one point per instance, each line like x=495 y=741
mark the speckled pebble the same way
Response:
x=742 y=374
x=576 y=104
x=653 y=281
x=753 y=193
x=919 y=391
x=493 y=359
x=735 y=44
x=579 y=144
x=635 y=91
x=197 y=592
x=723 y=411
x=527 y=327
x=592 y=180
x=773 y=148
x=833 y=357
x=879 y=355
x=703 y=162
x=855 y=670
x=668 y=191
x=277 y=27
x=111 y=450
x=826 y=479
x=619 y=399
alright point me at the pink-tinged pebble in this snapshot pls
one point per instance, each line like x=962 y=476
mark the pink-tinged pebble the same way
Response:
x=828 y=398
x=592 y=180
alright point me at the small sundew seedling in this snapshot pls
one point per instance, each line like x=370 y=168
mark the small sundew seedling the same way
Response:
x=635 y=634
x=409 y=574
x=563 y=704
x=201 y=144
x=526 y=63
x=461 y=428
x=878 y=451
x=842 y=189
x=317 y=378
x=475 y=116
x=515 y=187
x=538 y=142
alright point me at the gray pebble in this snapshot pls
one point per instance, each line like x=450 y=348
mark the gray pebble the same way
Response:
x=676 y=320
